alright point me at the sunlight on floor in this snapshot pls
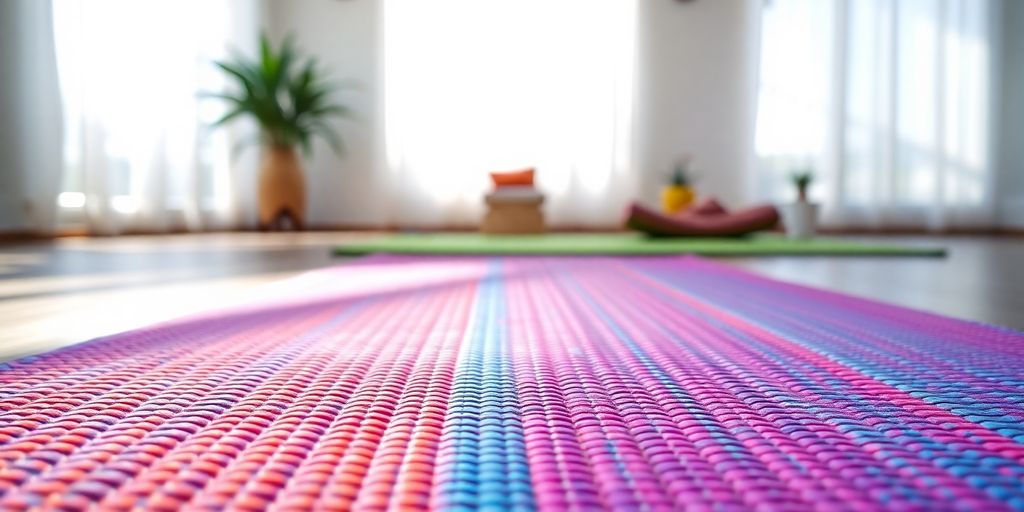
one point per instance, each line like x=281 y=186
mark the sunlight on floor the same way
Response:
x=48 y=322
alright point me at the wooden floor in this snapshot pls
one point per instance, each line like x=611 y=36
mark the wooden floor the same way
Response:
x=72 y=289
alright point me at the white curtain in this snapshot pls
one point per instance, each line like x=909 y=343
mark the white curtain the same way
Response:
x=30 y=123
x=138 y=154
x=473 y=86
x=889 y=100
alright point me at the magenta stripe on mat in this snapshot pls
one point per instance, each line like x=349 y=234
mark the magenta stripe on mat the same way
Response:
x=502 y=383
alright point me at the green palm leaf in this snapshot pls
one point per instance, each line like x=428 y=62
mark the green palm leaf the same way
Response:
x=291 y=103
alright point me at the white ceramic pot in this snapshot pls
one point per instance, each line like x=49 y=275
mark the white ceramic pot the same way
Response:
x=800 y=219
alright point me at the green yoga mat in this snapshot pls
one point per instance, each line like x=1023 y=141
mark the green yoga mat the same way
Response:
x=624 y=244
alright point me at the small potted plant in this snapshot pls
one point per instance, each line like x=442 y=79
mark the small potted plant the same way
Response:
x=679 y=193
x=800 y=217
x=291 y=102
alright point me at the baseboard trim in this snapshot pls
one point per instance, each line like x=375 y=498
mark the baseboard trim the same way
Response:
x=9 y=237
x=909 y=230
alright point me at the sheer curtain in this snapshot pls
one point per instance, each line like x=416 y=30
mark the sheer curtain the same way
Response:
x=473 y=86
x=137 y=154
x=30 y=124
x=889 y=100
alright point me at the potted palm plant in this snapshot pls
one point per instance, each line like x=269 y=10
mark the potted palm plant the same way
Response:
x=291 y=102
x=800 y=217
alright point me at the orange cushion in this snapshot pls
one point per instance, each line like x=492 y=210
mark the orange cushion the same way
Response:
x=517 y=178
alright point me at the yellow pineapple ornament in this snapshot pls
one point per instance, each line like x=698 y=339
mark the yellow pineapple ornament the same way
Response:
x=679 y=194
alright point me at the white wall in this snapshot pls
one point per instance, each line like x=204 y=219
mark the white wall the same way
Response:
x=1010 y=158
x=695 y=81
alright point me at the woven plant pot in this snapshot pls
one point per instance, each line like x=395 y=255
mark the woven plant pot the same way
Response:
x=282 y=189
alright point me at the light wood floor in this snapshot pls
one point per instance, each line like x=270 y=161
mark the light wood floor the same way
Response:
x=73 y=289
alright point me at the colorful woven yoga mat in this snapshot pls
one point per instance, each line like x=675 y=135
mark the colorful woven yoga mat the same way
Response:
x=398 y=383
